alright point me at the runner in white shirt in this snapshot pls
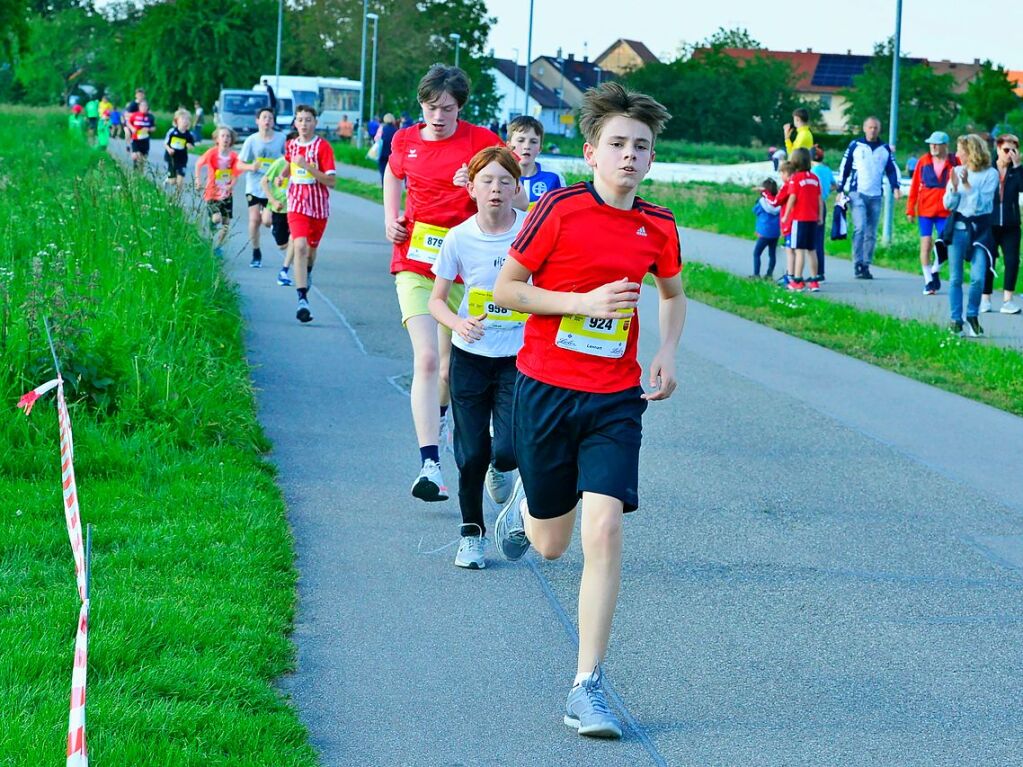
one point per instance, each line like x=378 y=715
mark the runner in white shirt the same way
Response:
x=486 y=339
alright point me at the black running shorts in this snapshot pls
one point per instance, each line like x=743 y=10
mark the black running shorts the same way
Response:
x=224 y=207
x=569 y=442
x=804 y=235
x=251 y=199
x=279 y=228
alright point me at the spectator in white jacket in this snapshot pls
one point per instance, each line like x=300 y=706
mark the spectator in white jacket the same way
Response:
x=865 y=164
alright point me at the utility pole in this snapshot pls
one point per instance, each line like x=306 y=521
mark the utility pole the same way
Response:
x=362 y=75
x=529 y=57
x=893 y=124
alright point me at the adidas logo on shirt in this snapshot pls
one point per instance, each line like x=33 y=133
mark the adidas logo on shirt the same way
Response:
x=641 y=231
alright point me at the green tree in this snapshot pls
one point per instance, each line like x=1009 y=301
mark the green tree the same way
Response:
x=989 y=97
x=927 y=101
x=737 y=37
x=716 y=97
x=14 y=35
x=180 y=50
x=62 y=52
x=324 y=37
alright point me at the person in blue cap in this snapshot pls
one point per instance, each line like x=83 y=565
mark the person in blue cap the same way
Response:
x=925 y=203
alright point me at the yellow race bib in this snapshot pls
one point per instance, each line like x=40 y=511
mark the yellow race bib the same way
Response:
x=481 y=301
x=143 y=134
x=264 y=163
x=177 y=142
x=595 y=336
x=222 y=176
x=425 y=242
x=300 y=175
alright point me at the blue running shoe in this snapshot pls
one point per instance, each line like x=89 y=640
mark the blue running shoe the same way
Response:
x=509 y=532
x=587 y=711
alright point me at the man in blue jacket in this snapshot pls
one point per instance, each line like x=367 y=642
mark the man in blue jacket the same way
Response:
x=865 y=164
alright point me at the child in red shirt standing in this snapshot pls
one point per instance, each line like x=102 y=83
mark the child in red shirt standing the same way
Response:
x=804 y=212
x=577 y=416
x=222 y=170
x=312 y=175
x=429 y=161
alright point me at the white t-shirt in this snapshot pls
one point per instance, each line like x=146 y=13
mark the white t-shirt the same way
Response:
x=477 y=257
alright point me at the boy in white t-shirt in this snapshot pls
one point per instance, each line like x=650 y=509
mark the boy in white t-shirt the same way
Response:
x=486 y=338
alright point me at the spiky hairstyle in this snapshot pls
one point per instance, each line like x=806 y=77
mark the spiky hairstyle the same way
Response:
x=612 y=99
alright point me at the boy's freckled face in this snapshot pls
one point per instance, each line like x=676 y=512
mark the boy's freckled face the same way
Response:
x=526 y=144
x=493 y=187
x=623 y=153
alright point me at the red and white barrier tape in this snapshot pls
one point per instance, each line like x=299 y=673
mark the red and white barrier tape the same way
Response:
x=77 y=754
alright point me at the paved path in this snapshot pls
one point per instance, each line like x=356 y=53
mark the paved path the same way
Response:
x=826 y=568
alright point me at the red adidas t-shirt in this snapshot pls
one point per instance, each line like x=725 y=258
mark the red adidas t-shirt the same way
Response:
x=806 y=188
x=573 y=242
x=428 y=167
x=306 y=195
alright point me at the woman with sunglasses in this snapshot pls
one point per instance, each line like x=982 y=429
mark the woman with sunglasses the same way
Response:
x=1005 y=223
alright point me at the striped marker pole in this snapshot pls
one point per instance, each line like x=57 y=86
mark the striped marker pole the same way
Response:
x=67 y=476
x=77 y=753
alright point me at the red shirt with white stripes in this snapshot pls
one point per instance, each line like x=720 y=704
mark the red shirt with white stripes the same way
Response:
x=306 y=195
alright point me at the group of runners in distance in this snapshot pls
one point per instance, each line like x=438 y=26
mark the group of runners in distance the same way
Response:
x=524 y=325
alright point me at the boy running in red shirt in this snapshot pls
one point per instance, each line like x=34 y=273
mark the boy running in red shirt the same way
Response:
x=579 y=405
x=312 y=175
x=222 y=170
x=140 y=125
x=431 y=158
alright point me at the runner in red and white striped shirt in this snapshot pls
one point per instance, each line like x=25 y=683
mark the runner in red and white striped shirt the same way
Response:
x=312 y=174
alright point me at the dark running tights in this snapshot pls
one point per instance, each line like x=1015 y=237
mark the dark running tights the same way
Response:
x=1007 y=241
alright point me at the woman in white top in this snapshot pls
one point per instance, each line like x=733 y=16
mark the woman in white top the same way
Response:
x=486 y=339
x=970 y=196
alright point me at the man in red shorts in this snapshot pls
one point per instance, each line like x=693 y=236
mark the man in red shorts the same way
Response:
x=312 y=174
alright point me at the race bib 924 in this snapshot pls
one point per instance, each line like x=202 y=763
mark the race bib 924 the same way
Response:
x=599 y=337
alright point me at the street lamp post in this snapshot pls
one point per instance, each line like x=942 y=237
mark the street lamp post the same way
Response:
x=362 y=74
x=515 y=103
x=457 y=38
x=529 y=57
x=277 y=68
x=561 y=91
x=373 y=77
x=893 y=124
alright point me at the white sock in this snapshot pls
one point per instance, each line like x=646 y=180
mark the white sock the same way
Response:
x=581 y=677
x=928 y=275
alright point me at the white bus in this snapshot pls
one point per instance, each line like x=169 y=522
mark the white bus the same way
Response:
x=331 y=96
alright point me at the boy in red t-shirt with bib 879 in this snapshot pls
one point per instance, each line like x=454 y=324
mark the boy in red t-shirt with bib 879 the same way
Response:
x=576 y=268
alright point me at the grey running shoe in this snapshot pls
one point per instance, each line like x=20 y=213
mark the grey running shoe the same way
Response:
x=498 y=486
x=587 y=710
x=470 y=552
x=509 y=533
x=429 y=485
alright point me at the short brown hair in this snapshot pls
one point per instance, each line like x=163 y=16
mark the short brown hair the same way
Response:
x=1007 y=138
x=305 y=108
x=611 y=99
x=443 y=79
x=499 y=154
x=787 y=167
x=802 y=114
x=800 y=159
x=522 y=123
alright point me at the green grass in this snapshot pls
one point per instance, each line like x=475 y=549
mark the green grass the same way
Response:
x=675 y=151
x=372 y=192
x=193 y=583
x=989 y=374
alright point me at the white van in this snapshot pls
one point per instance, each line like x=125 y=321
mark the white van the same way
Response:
x=331 y=97
x=237 y=109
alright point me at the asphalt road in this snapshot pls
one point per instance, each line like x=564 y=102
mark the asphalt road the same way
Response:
x=826 y=569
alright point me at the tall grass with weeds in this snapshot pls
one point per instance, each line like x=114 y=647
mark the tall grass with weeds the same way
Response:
x=193 y=581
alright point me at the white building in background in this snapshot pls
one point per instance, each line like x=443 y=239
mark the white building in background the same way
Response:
x=544 y=104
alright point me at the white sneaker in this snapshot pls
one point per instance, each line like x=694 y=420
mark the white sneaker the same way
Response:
x=985 y=305
x=470 y=552
x=498 y=485
x=429 y=485
x=1010 y=307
